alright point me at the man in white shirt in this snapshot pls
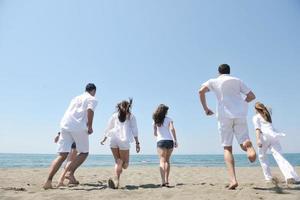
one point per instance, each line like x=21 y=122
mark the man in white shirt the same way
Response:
x=76 y=126
x=233 y=97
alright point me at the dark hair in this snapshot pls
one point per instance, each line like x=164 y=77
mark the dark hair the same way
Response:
x=263 y=111
x=90 y=87
x=224 y=69
x=124 y=109
x=160 y=114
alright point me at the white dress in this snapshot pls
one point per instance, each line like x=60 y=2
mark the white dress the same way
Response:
x=270 y=141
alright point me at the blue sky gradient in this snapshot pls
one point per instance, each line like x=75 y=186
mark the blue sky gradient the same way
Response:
x=154 y=51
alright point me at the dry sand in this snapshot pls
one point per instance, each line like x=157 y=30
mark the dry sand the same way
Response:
x=143 y=183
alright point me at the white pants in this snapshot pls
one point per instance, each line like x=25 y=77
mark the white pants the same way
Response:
x=271 y=143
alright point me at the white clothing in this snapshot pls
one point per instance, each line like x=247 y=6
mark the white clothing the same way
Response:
x=117 y=143
x=270 y=141
x=163 y=131
x=75 y=118
x=66 y=139
x=228 y=91
x=74 y=124
x=233 y=127
x=121 y=134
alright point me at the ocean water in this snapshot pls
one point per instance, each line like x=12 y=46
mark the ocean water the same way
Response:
x=44 y=160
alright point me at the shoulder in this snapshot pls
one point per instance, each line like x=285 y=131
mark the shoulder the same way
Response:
x=256 y=118
x=132 y=117
x=168 y=119
x=212 y=80
x=114 y=116
x=210 y=83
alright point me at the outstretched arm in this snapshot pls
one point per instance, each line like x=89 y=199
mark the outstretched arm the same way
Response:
x=202 y=95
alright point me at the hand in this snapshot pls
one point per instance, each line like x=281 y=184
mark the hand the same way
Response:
x=259 y=143
x=137 y=147
x=175 y=144
x=56 y=139
x=90 y=130
x=208 y=112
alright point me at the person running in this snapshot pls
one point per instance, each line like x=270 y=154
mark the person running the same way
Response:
x=165 y=134
x=231 y=114
x=267 y=138
x=76 y=126
x=71 y=157
x=122 y=130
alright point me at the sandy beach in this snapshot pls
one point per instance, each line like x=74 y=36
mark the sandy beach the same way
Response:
x=143 y=183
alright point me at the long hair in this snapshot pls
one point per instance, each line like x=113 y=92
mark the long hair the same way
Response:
x=160 y=114
x=124 y=109
x=263 y=111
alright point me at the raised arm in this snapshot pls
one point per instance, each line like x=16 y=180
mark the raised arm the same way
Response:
x=202 y=94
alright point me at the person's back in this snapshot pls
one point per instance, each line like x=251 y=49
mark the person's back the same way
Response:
x=75 y=117
x=125 y=131
x=163 y=131
x=229 y=90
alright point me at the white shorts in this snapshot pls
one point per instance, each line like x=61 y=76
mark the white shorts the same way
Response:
x=66 y=139
x=233 y=127
x=117 y=143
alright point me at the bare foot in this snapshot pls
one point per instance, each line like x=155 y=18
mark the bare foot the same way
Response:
x=251 y=154
x=60 y=184
x=232 y=186
x=47 y=185
x=72 y=179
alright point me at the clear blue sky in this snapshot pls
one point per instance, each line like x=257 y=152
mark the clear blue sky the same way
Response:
x=154 y=51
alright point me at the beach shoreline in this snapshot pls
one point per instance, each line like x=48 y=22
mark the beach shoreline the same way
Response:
x=142 y=182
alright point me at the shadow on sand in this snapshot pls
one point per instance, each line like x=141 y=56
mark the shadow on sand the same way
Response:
x=277 y=189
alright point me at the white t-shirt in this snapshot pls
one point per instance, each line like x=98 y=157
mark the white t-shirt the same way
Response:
x=228 y=91
x=266 y=127
x=124 y=131
x=75 y=118
x=163 y=131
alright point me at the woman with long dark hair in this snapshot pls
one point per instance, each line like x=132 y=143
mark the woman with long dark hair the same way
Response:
x=122 y=130
x=268 y=139
x=165 y=134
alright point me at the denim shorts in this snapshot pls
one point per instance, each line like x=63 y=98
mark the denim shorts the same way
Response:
x=165 y=144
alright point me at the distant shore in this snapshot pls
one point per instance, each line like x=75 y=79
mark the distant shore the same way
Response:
x=202 y=160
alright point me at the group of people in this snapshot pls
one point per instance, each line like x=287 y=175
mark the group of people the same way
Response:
x=233 y=97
